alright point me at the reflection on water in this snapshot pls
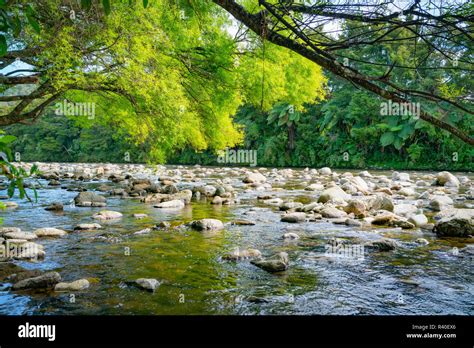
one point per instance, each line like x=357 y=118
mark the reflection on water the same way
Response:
x=195 y=280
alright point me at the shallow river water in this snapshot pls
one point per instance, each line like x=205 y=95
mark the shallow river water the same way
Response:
x=412 y=279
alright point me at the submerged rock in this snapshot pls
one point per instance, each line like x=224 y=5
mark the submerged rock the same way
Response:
x=107 y=215
x=55 y=207
x=238 y=254
x=174 y=204
x=46 y=280
x=277 y=263
x=87 y=227
x=207 y=225
x=90 y=199
x=291 y=236
x=384 y=244
x=147 y=283
x=242 y=222
x=49 y=232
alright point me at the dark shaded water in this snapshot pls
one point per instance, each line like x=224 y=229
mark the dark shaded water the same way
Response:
x=413 y=279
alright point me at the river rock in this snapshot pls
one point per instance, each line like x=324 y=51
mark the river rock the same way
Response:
x=238 y=254
x=90 y=199
x=173 y=204
x=383 y=244
x=216 y=200
x=254 y=178
x=169 y=189
x=77 y=285
x=405 y=209
x=144 y=231
x=290 y=206
x=274 y=202
x=314 y=187
x=11 y=205
x=422 y=241
x=277 y=263
x=107 y=215
x=55 y=207
x=88 y=227
x=4 y=230
x=334 y=193
x=293 y=217
x=396 y=176
x=418 y=220
x=359 y=184
x=291 y=236
x=243 y=222
x=407 y=191
x=332 y=213
x=439 y=203
x=46 y=280
x=147 y=283
x=20 y=235
x=325 y=171
x=455 y=223
x=162 y=225
x=207 y=225
x=357 y=207
x=49 y=232
x=140 y=216
x=446 y=179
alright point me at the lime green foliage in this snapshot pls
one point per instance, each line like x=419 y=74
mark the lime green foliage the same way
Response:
x=166 y=76
x=15 y=175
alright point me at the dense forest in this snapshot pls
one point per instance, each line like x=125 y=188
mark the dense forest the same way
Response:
x=344 y=131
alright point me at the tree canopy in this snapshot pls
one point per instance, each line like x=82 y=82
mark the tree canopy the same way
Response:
x=171 y=73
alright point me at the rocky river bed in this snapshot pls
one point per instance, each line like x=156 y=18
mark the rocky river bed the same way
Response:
x=137 y=239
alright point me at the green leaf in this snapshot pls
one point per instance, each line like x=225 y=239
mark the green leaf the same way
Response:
x=11 y=189
x=397 y=128
x=419 y=124
x=398 y=143
x=30 y=15
x=16 y=26
x=406 y=131
x=106 y=4
x=145 y=3
x=21 y=189
x=387 y=139
x=283 y=120
x=86 y=4
x=3 y=45
x=7 y=139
